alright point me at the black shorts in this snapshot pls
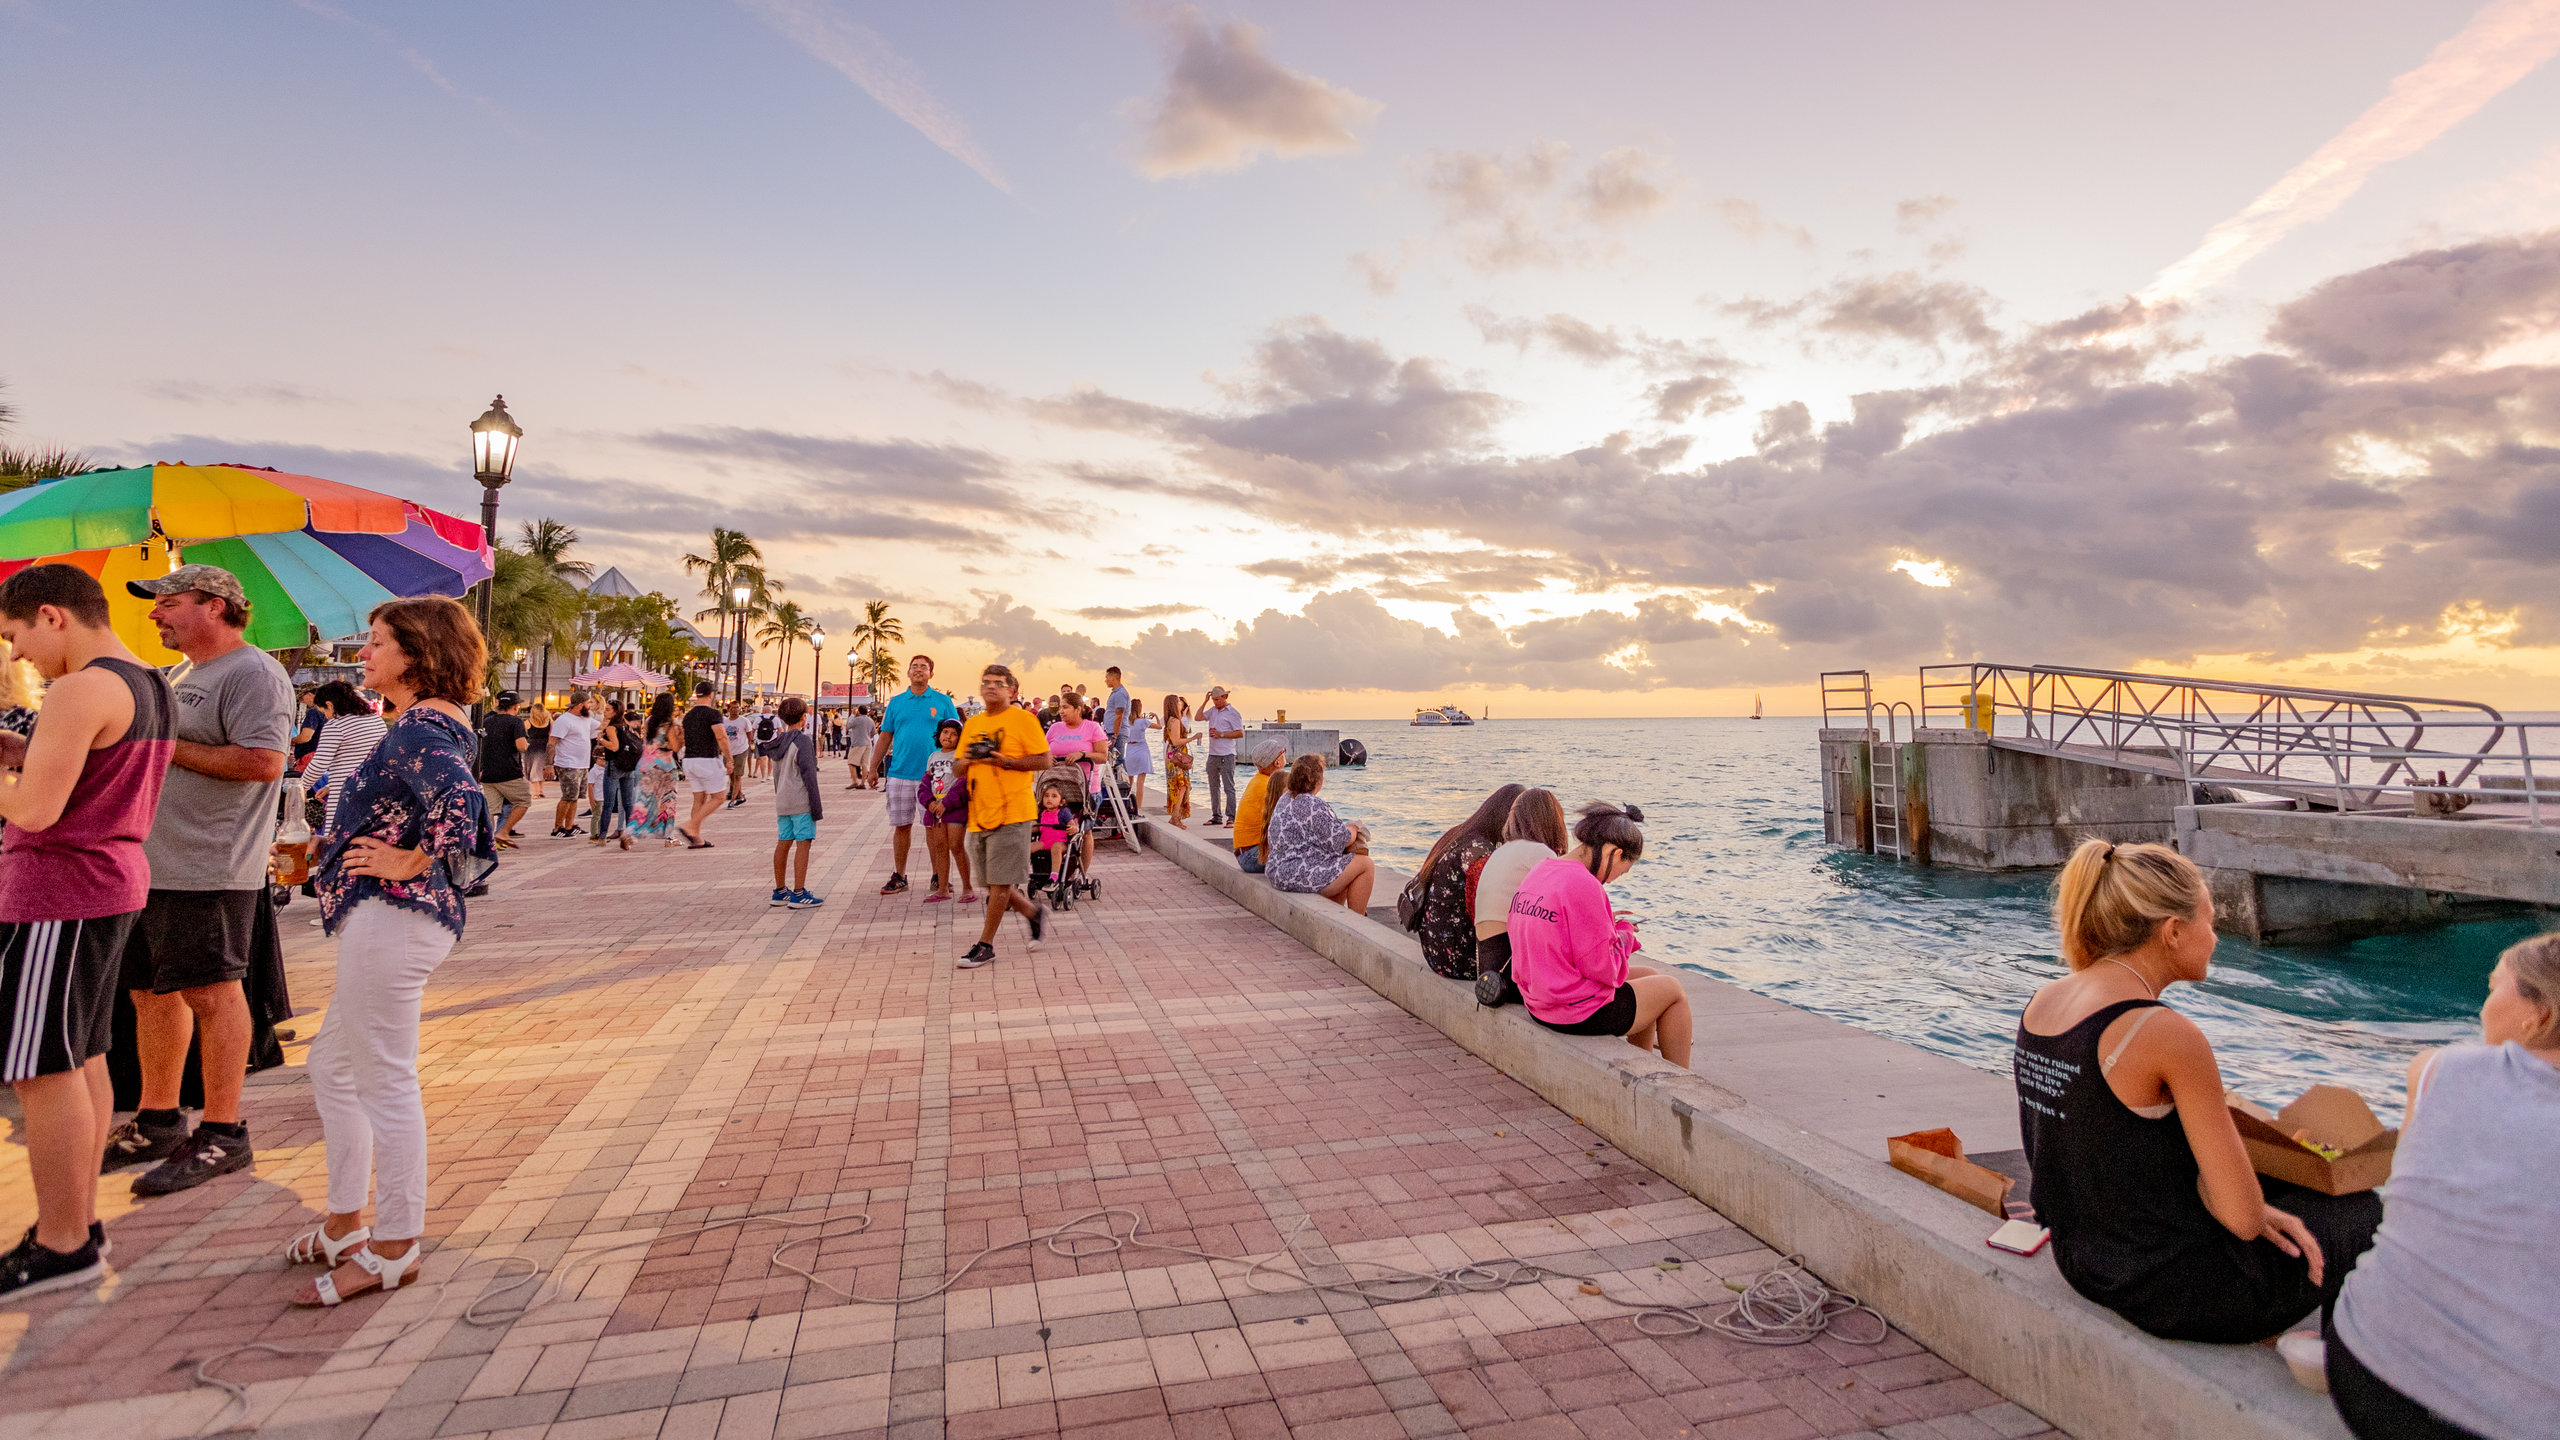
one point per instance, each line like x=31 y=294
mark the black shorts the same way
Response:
x=58 y=992
x=191 y=938
x=1615 y=1017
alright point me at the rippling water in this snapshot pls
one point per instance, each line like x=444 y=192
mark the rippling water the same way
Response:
x=1737 y=882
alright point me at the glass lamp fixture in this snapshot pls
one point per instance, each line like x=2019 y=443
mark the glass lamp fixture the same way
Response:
x=493 y=445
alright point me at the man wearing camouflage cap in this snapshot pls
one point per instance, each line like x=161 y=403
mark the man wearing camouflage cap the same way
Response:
x=208 y=851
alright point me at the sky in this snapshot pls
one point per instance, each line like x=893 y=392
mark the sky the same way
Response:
x=1559 y=360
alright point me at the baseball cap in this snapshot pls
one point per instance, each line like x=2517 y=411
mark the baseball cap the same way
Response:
x=211 y=579
x=506 y=698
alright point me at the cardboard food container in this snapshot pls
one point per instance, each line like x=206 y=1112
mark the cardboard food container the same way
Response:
x=1937 y=1157
x=2330 y=1114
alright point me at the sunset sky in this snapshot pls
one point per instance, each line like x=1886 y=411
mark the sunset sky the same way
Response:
x=1571 y=359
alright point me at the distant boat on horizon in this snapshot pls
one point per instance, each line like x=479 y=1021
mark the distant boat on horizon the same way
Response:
x=1755 y=706
x=1443 y=715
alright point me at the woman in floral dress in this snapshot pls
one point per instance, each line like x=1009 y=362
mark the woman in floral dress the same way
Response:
x=1177 y=761
x=1443 y=890
x=661 y=774
x=1312 y=851
x=394 y=865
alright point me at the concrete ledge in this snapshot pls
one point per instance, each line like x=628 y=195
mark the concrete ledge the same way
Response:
x=1911 y=1251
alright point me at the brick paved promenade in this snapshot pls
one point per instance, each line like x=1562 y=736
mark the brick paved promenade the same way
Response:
x=632 y=1045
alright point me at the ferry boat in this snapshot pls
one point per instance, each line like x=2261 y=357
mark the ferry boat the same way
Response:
x=1443 y=715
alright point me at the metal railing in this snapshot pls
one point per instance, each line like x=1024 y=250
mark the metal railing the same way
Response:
x=1848 y=700
x=2339 y=749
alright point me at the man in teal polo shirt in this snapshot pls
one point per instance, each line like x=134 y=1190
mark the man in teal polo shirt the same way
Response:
x=906 y=745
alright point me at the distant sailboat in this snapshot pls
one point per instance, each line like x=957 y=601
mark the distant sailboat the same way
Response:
x=1755 y=707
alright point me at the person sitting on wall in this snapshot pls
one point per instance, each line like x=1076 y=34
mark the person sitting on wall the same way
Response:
x=1569 y=951
x=2435 y=1336
x=1532 y=834
x=1440 y=900
x=2155 y=1210
x=1314 y=851
x=1253 y=809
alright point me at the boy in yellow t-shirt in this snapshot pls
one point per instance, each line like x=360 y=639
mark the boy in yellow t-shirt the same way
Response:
x=1253 y=811
x=1001 y=754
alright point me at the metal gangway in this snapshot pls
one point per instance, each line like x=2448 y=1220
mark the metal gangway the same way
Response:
x=2341 y=750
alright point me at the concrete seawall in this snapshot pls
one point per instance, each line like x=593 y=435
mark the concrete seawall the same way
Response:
x=1781 y=1127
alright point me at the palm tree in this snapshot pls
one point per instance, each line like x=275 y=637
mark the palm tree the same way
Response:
x=528 y=605
x=734 y=560
x=549 y=543
x=882 y=671
x=786 y=624
x=21 y=468
x=877 y=628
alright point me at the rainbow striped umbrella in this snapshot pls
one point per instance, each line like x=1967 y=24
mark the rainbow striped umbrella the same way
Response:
x=107 y=508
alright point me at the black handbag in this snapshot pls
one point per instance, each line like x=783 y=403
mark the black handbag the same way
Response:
x=1493 y=973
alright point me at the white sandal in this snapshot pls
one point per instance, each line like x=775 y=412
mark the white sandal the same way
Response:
x=392 y=1273
x=314 y=1247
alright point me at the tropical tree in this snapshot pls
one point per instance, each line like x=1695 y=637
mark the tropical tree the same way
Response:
x=21 y=468
x=878 y=629
x=734 y=559
x=786 y=623
x=549 y=543
x=528 y=606
x=881 y=670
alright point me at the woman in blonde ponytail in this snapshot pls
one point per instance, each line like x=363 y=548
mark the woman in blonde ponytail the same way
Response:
x=2155 y=1210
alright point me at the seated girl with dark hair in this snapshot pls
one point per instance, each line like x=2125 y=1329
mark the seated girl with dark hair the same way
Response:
x=1569 y=952
x=1441 y=896
x=2155 y=1211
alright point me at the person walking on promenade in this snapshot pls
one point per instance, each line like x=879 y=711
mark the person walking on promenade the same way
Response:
x=1137 y=753
x=944 y=799
x=346 y=737
x=389 y=894
x=1001 y=749
x=573 y=748
x=1115 y=710
x=1569 y=951
x=73 y=881
x=618 y=748
x=209 y=846
x=1225 y=726
x=741 y=748
x=1311 y=850
x=2156 y=1212
x=706 y=763
x=902 y=753
x=1077 y=740
x=1177 y=761
x=537 y=752
x=662 y=779
x=504 y=743
x=1436 y=902
x=859 y=735
x=2435 y=1335
x=1253 y=810
x=797 y=809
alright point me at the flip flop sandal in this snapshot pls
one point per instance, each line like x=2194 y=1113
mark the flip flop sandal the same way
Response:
x=314 y=1247
x=389 y=1275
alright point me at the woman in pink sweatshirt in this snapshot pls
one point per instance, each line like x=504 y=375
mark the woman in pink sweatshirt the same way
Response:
x=1569 y=953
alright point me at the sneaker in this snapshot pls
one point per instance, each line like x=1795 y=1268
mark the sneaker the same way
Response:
x=803 y=900
x=31 y=1269
x=205 y=1155
x=134 y=1143
x=979 y=954
x=780 y=899
x=97 y=1237
x=897 y=885
x=1039 y=922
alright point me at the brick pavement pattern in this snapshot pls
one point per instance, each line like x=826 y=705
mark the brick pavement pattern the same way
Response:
x=630 y=1047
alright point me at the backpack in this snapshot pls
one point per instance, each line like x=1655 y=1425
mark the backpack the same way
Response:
x=764 y=729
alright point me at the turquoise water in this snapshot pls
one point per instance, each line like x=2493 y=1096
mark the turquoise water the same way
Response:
x=1737 y=882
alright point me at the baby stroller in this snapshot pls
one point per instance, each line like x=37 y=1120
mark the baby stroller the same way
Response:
x=1062 y=882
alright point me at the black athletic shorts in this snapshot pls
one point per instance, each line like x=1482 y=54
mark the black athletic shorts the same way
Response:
x=1616 y=1016
x=191 y=938
x=58 y=992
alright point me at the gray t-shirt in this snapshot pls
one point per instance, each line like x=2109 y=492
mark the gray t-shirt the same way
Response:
x=215 y=834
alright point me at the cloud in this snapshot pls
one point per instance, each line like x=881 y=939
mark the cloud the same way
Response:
x=1528 y=209
x=1134 y=612
x=1904 y=307
x=1227 y=104
x=2459 y=303
x=1695 y=377
x=856 y=52
x=1921 y=211
x=1626 y=184
x=1746 y=219
x=2088 y=502
x=2505 y=41
x=903 y=470
x=410 y=56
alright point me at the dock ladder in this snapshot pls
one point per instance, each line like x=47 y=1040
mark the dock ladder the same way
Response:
x=1884 y=780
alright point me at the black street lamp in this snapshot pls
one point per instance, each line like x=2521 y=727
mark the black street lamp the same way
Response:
x=817 y=662
x=493 y=460
x=738 y=685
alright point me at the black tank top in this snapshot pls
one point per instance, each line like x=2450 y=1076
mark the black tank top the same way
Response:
x=2117 y=1190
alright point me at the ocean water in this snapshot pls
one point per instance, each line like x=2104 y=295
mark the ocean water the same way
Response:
x=1737 y=882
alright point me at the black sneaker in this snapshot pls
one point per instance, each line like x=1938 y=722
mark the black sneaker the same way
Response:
x=897 y=885
x=979 y=954
x=205 y=1155
x=134 y=1143
x=1039 y=923
x=31 y=1269
x=97 y=1237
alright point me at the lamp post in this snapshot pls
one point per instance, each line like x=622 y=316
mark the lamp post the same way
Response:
x=519 y=667
x=817 y=661
x=493 y=460
x=738 y=656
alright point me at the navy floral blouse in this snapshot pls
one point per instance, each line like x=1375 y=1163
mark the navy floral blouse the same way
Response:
x=415 y=790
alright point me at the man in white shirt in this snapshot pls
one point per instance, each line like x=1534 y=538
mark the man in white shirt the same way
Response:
x=1225 y=726
x=573 y=736
x=740 y=745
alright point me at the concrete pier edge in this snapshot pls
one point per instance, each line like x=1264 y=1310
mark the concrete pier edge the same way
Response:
x=1913 y=1252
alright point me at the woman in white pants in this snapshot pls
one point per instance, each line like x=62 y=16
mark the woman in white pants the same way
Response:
x=407 y=819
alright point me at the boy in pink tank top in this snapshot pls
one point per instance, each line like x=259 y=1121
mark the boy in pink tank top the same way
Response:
x=79 y=802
